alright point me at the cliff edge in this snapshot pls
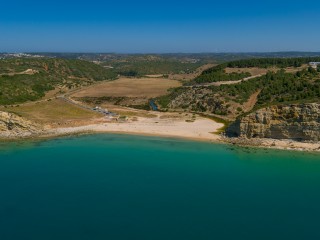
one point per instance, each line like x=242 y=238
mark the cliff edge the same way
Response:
x=13 y=126
x=299 y=122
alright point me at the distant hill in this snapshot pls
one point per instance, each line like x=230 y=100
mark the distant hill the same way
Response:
x=207 y=57
x=24 y=79
x=135 y=65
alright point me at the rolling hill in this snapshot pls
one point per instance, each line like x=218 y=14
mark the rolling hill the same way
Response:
x=28 y=79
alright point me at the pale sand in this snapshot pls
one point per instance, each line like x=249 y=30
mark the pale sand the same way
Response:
x=172 y=125
x=200 y=129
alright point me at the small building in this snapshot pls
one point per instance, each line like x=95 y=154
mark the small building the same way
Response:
x=314 y=64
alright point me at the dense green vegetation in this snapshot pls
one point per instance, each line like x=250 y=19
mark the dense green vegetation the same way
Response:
x=279 y=87
x=138 y=68
x=272 y=62
x=217 y=73
x=276 y=88
x=284 y=87
x=264 y=63
x=164 y=100
x=18 y=87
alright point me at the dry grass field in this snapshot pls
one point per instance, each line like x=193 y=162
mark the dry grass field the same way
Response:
x=294 y=70
x=55 y=112
x=129 y=112
x=190 y=76
x=253 y=71
x=257 y=71
x=129 y=87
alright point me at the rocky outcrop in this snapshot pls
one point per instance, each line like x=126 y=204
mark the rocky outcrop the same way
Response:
x=200 y=99
x=13 y=126
x=297 y=121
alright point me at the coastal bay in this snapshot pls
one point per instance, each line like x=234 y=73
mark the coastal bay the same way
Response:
x=110 y=186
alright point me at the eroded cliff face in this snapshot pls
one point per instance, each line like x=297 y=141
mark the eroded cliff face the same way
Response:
x=204 y=100
x=296 y=121
x=13 y=126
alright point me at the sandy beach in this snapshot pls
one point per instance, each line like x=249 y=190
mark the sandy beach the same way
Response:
x=199 y=129
x=165 y=125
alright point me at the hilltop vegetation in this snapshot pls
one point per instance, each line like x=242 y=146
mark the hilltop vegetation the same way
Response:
x=139 y=65
x=236 y=99
x=217 y=73
x=29 y=79
x=155 y=67
x=264 y=63
x=218 y=76
x=276 y=87
x=271 y=62
x=134 y=66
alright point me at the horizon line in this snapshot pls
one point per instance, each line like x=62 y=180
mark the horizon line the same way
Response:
x=144 y=53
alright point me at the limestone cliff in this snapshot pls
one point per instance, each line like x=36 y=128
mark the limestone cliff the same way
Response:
x=13 y=126
x=296 y=121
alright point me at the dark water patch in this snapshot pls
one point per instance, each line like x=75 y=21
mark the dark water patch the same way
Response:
x=153 y=105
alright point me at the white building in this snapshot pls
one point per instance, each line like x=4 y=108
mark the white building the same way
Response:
x=314 y=64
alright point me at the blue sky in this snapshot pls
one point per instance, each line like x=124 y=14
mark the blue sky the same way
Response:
x=159 y=26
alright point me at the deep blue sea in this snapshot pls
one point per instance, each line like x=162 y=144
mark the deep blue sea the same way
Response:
x=133 y=187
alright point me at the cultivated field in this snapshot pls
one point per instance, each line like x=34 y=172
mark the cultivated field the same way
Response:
x=130 y=87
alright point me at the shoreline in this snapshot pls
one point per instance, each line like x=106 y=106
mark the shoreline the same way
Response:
x=162 y=125
x=200 y=130
x=276 y=144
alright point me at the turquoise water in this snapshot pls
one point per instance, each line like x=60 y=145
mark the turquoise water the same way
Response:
x=130 y=187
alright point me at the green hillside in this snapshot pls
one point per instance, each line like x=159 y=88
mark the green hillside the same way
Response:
x=302 y=85
x=217 y=73
x=29 y=79
x=137 y=67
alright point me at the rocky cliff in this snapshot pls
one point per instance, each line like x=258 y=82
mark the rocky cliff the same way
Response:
x=13 y=126
x=203 y=100
x=297 y=121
